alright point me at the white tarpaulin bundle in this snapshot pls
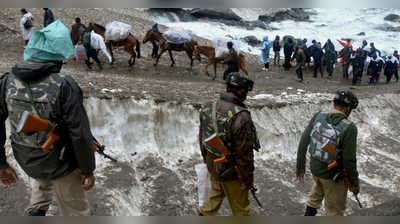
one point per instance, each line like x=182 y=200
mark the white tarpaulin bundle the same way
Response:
x=117 y=31
x=176 y=35
x=220 y=46
x=97 y=42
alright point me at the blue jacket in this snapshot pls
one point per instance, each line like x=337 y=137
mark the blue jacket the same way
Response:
x=316 y=53
x=275 y=45
x=266 y=47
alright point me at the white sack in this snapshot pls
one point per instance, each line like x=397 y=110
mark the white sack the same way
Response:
x=203 y=182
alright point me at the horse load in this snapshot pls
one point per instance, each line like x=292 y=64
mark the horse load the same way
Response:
x=221 y=49
x=176 y=35
x=117 y=31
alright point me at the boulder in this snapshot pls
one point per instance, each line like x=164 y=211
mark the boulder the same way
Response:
x=388 y=27
x=218 y=14
x=361 y=34
x=172 y=14
x=252 y=40
x=392 y=17
x=280 y=14
x=258 y=24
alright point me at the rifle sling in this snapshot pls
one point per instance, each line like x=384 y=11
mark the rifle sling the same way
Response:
x=214 y=117
x=28 y=91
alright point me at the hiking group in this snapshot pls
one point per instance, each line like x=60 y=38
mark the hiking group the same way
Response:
x=353 y=61
x=227 y=134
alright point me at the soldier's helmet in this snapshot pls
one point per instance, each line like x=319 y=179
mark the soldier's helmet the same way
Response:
x=346 y=97
x=235 y=79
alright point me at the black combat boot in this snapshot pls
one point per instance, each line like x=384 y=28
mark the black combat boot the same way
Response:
x=100 y=66
x=310 y=211
x=89 y=67
x=37 y=212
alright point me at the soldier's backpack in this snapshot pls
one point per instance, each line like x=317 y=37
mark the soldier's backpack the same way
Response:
x=324 y=132
x=222 y=122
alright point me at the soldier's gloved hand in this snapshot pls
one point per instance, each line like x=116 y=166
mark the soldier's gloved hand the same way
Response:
x=356 y=190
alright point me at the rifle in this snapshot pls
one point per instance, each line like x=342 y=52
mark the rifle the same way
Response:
x=329 y=149
x=31 y=123
x=228 y=157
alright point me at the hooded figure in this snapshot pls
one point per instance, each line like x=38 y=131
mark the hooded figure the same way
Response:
x=328 y=46
x=288 y=51
x=66 y=169
x=374 y=69
x=391 y=66
x=47 y=17
x=266 y=47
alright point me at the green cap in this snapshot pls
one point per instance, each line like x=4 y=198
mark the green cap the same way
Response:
x=52 y=43
x=236 y=79
x=346 y=97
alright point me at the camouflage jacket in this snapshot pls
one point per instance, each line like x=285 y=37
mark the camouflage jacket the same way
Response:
x=56 y=97
x=330 y=57
x=300 y=57
x=240 y=137
x=347 y=144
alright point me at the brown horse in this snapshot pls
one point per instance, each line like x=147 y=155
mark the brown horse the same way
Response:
x=151 y=35
x=128 y=43
x=209 y=52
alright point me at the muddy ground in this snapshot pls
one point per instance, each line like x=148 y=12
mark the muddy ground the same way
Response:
x=180 y=84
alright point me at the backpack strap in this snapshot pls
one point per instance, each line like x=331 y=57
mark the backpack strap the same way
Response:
x=334 y=128
x=214 y=117
x=28 y=90
x=4 y=80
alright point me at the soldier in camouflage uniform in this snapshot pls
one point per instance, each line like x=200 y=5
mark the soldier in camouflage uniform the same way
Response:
x=330 y=59
x=39 y=89
x=237 y=132
x=324 y=188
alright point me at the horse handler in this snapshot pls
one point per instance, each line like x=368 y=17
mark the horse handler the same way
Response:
x=90 y=51
x=232 y=60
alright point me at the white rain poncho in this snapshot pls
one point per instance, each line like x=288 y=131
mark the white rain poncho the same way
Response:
x=176 y=35
x=220 y=46
x=97 y=42
x=117 y=31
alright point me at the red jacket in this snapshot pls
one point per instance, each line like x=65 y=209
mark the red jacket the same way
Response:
x=346 y=43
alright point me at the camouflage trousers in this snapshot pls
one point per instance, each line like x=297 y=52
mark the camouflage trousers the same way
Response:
x=335 y=195
x=237 y=198
x=329 y=68
x=71 y=198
